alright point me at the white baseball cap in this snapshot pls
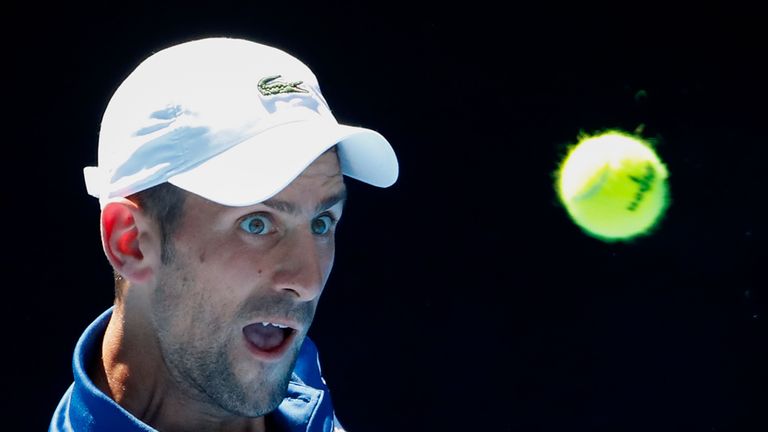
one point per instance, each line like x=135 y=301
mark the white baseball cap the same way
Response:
x=231 y=120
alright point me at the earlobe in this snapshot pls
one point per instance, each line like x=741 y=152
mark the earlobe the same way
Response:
x=121 y=240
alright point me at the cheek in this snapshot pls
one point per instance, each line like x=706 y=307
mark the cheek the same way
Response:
x=199 y=290
x=224 y=283
x=223 y=264
x=327 y=254
x=196 y=316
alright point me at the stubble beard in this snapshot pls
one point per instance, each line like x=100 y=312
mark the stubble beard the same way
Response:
x=204 y=371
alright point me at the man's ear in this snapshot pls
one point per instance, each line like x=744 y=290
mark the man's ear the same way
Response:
x=127 y=241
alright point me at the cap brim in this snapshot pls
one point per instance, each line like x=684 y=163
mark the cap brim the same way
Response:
x=262 y=166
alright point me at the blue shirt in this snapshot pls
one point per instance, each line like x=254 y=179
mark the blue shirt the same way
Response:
x=307 y=406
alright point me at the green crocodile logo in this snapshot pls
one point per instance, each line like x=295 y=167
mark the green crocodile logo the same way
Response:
x=268 y=86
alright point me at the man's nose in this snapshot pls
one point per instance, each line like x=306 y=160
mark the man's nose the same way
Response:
x=301 y=265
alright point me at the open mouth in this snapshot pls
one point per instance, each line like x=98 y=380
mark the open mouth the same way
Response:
x=267 y=339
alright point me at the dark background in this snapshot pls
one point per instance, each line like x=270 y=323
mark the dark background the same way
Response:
x=463 y=298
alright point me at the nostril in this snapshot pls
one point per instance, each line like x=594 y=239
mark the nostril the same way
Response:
x=293 y=291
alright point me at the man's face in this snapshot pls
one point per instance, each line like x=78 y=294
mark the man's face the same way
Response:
x=234 y=268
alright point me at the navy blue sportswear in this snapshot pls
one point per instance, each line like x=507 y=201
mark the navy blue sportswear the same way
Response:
x=84 y=408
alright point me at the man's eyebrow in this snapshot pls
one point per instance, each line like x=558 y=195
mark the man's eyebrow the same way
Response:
x=331 y=201
x=291 y=208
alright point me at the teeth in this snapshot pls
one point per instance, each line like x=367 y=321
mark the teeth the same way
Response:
x=273 y=325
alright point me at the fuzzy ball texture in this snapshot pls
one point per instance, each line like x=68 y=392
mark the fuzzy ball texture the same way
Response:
x=614 y=186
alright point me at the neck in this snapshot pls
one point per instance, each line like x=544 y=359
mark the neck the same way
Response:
x=133 y=373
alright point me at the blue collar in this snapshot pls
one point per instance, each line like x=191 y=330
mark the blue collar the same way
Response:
x=306 y=408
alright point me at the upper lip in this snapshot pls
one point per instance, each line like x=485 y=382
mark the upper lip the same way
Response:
x=282 y=322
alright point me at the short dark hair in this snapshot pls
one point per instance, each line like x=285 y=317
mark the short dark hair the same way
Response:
x=164 y=204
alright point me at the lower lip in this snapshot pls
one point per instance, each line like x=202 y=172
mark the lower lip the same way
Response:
x=274 y=354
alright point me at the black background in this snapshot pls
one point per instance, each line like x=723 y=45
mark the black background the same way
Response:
x=463 y=298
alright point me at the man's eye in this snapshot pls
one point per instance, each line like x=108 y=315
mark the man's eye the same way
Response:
x=322 y=224
x=256 y=224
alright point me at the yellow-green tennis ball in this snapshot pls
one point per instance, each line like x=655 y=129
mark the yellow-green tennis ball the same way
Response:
x=613 y=186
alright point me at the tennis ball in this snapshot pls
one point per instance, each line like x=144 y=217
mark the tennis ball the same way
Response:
x=613 y=186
